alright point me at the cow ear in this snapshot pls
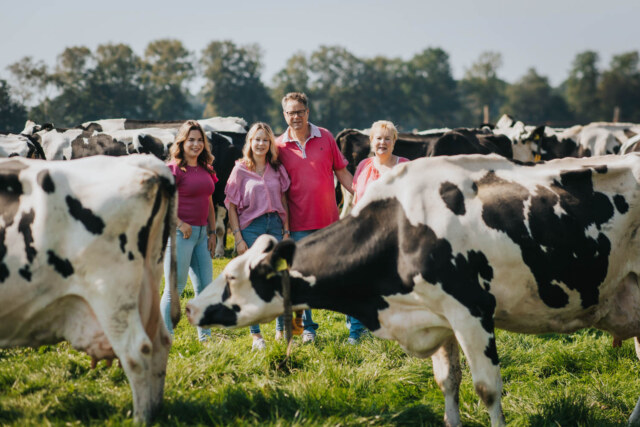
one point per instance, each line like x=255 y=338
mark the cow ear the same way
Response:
x=282 y=256
x=537 y=133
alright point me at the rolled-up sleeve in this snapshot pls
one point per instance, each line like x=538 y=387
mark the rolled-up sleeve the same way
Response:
x=285 y=181
x=232 y=190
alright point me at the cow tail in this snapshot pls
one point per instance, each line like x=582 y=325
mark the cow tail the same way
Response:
x=172 y=215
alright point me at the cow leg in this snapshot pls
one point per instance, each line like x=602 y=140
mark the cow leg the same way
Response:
x=161 y=345
x=634 y=419
x=447 y=372
x=479 y=346
x=124 y=329
x=221 y=230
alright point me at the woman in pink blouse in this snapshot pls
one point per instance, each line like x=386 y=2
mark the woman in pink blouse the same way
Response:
x=255 y=198
x=383 y=136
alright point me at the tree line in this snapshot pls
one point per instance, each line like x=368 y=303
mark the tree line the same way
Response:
x=345 y=90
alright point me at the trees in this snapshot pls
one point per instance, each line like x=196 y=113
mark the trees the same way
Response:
x=32 y=84
x=582 y=87
x=12 y=113
x=233 y=86
x=168 y=67
x=620 y=87
x=481 y=86
x=533 y=100
x=432 y=90
x=345 y=90
x=335 y=88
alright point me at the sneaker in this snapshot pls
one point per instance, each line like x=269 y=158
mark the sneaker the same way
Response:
x=258 y=344
x=352 y=341
x=279 y=335
x=308 y=337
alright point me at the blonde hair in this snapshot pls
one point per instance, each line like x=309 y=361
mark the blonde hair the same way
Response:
x=205 y=158
x=295 y=96
x=383 y=124
x=247 y=151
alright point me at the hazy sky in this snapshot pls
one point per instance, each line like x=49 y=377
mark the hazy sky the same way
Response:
x=545 y=34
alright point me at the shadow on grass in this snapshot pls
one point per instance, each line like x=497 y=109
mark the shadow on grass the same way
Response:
x=418 y=415
x=570 y=338
x=78 y=407
x=8 y=415
x=237 y=406
x=569 y=411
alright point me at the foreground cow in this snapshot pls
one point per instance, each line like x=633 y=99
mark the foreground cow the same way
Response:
x=81 y=254
x=443 y=250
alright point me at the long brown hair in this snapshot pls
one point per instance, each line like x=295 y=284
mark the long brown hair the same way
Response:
x=205 y=158
x=247 y=151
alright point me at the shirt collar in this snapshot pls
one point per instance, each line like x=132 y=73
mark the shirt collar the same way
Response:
x=315 y=133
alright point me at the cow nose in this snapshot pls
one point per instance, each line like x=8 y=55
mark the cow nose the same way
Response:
x=188 y=312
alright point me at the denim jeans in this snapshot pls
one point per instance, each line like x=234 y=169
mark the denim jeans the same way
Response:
x=269 y=223
x=192 y=256
x=307 y=320
x=356 y=328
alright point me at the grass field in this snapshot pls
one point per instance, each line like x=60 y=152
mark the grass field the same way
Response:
x=548 y=380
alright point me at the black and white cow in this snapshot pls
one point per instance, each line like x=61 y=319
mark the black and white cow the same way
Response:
x=12 y=145
x=443 y=250
x=355 y=146
x=226 y=136
x=81 y=255
x=225 y=153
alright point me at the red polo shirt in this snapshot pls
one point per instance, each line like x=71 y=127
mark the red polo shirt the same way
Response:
x=311 y=196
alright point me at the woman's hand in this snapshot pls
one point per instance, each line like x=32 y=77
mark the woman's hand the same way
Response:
x=241 y=247
x=186 y=229
x=211 y=244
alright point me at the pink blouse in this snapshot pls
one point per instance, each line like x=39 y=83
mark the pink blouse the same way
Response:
x=366 y=172
x=256 y=195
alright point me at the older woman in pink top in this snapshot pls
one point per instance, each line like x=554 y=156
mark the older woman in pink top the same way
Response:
x=383 y=136
x=256 y=199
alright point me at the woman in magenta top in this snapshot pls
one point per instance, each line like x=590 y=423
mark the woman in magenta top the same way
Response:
x=255 y=198
x=195 y=243
x=383 y=136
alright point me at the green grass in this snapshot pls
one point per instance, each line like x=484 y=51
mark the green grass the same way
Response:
x=548 y=381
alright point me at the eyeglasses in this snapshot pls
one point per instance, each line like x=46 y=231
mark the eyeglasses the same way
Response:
x=298 y=113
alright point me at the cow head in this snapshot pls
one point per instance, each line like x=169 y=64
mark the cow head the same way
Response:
x=249 y=289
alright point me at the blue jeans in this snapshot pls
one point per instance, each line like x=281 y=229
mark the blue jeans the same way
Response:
x=193 y=257
x=269 y=223
x=307 y=321
x=355 y=327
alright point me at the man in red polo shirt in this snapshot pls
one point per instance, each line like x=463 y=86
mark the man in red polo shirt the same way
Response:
x=311 y=156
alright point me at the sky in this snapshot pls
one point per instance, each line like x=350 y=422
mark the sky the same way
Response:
x=543 y=34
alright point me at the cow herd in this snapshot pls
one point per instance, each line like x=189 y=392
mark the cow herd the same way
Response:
x=525 y=228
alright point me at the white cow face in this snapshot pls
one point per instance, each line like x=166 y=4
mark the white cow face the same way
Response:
x=248 y=291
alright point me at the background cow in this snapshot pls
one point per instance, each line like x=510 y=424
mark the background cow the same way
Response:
x=120 y=137
x=440 y=251
x=355 y=146
x=81 y=255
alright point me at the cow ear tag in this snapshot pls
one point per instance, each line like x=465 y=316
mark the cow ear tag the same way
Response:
x=537 y=158
x=281 y=265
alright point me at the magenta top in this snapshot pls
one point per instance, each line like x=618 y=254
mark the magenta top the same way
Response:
x=195 y=187
x=366 y=173
x=256 y=195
